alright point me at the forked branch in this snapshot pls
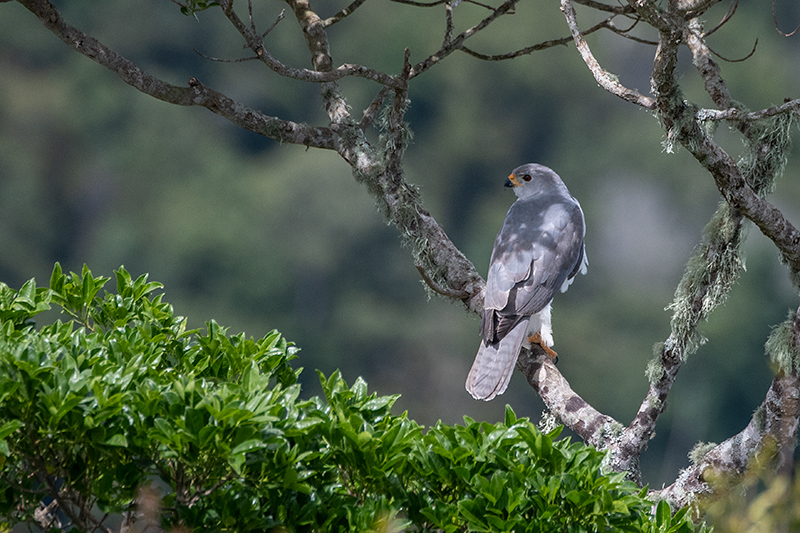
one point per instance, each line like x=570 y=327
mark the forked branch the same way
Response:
x=606 y=80
x=772 y=429
x=195 y=94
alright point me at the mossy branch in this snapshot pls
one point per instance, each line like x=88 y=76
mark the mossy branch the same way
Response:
x=783 y=345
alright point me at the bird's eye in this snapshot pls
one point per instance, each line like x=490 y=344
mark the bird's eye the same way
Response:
x=526 y=177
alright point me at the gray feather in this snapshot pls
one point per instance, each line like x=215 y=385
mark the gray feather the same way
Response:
x=495 y=363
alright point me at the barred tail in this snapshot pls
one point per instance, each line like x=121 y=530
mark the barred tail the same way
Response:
x=494 y=364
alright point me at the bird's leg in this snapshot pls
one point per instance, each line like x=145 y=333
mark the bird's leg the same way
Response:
x=536 y=338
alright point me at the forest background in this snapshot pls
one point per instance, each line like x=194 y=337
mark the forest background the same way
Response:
x=260 y=236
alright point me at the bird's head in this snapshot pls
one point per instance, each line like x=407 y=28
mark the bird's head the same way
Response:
x=531 y=179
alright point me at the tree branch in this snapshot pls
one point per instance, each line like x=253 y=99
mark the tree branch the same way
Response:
x=711 y=273
x=382 y=173
x=679 y=120
x=737 y=114
x=709 y=70
x=772 y=428
x=283 y=131
x=574 y=412
x=456 y=44
x=617 y=10
x=741 y=186
x=606 y=80
x=371 y=111
x=341 y=15
x=775 y=22
x=314 y=31
x=317 y=41
x=536 y=47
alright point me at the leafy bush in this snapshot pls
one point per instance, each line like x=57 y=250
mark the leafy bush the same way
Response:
x=122 y=397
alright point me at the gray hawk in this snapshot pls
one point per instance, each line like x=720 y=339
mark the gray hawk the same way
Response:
x=539 y=250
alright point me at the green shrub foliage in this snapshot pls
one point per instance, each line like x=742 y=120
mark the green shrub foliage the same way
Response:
x=122 y=396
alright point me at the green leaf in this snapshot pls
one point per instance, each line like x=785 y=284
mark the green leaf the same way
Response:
x=10 y=427
x=117 y=440
x=381 y=402
x=123 y=279
x=510 y=416
x=57 y=278
x=87 y=287
x=65 y=407
x=248 y=446
x=474 y=513
x=663 y=514
x=619 y=506
x=27 y=293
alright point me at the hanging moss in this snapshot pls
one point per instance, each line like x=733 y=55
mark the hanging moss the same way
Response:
x=710 y=273
x=767 y=146
x=388 y=138
x=718 y=259
x=781 y=346
x=699 y=451
x=655 y=368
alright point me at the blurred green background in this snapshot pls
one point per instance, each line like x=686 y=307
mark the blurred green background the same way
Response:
x=260 y=236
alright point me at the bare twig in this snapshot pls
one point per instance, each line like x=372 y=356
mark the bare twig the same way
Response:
x=371 y=112
x=323 y=72
x=517 y=53
x=222 y=60
x=99 y=522
x=249 y=15
x=726 y=18
x=449 y=28
x=617 y=10
x=272 y=26
x=194 y=95
x=457 y=42
x=603 y=77
x=775 y=20
x=420 y=4
x=476 y=3
x=437 y=288
x=745 y=58
x=626 y=32
x=536 y=47
x=341 y=15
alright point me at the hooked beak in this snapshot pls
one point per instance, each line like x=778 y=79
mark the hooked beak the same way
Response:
x=512 y=181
